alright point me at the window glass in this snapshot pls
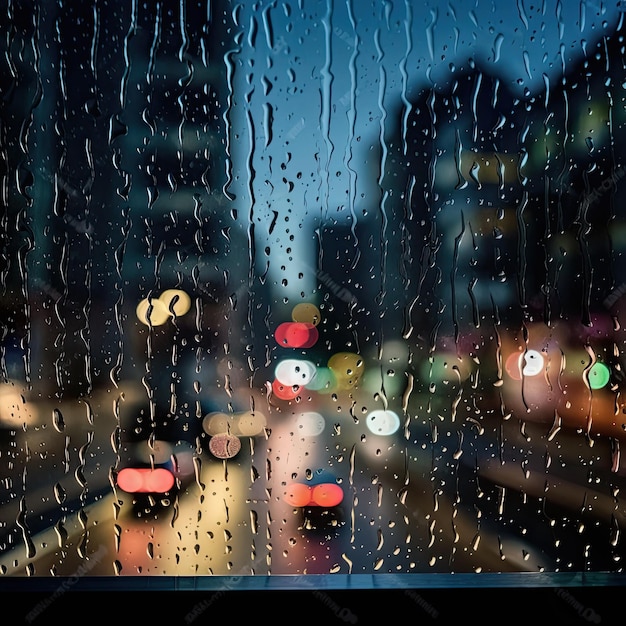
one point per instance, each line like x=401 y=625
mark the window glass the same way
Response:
x=298 y=288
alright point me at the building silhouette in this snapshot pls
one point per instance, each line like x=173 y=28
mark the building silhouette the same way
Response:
x=118 y=136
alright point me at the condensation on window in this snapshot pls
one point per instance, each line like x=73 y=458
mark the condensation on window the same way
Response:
x=297 y=288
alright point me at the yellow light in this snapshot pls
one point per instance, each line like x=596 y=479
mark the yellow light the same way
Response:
x=307 y=313
x=176 y=300
x=152 y=311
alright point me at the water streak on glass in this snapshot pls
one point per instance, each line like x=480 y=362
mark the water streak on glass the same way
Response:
x=127 y=61
x=383 y=239
x=23 y=526
x=57 y=420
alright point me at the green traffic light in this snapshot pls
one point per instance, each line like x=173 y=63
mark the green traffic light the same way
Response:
x=599 y=376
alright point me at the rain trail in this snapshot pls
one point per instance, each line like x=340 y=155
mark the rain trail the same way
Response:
x=477 y=85
x=156 y=39
x=127 y=65
x=586 y=370
x=24 y=181
x=120 y=251
x=430 y=34
x=522 y=13
x=497 y=47
x=84 y=332
x=382 y=86
x=327 y=79
x=268 y=27
x=453 y=272
x=23 y=526
x=250 y=180
x=351 y=136
x=94 y=42
x=408 y=25
x=184 y=43
x=521 y=248
x=79 y=473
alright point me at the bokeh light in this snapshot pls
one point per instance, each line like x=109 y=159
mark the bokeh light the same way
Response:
x=347 y=368
x=224 y=446
x=307 y=313
x=249 y=424
x=383 y=422
x=310 y=424
x=324 y=381
x=296 y=335
x=326 y=495
x=145 y=480
x=599 y=375
x=152 y=312
x=176 y=301
x=285 y=392
x=533 y=363
x=298 y=494
x=295 y=372
x=216 y=423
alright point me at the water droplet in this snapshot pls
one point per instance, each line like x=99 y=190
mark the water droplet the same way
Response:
x=57 y=420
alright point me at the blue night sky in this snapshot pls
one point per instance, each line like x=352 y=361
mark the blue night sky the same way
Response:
x=313 y=85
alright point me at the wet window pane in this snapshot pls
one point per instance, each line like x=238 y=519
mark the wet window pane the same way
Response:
x=295 y=288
